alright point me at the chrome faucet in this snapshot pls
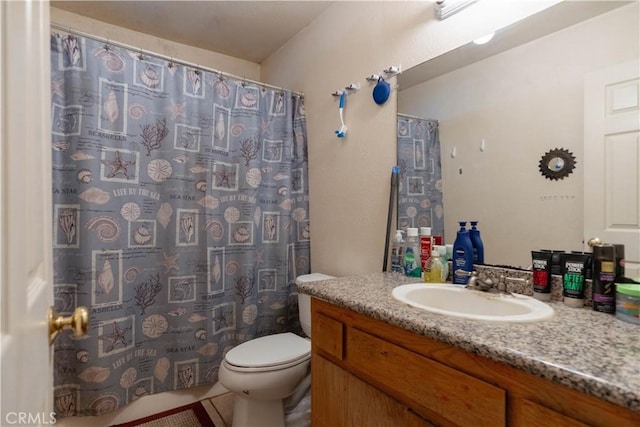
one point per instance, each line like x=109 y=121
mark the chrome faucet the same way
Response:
x=476 y=283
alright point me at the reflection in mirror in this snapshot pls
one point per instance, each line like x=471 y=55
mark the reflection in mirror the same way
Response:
x=420 y=190
x=500 y=114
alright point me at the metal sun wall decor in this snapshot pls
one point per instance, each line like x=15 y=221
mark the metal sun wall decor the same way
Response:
x=557 y=164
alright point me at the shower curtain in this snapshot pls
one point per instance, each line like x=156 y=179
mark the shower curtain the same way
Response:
x=180 y=220
x=420 y=193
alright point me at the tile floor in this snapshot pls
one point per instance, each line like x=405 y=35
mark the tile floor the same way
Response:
x=220 y=409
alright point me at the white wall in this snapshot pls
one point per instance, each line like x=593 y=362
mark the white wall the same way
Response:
x=523 y=103
x=349 y=179
x=193 y=54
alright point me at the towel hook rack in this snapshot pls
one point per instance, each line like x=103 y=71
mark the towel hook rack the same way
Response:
x=352 y=87
x=392 y=70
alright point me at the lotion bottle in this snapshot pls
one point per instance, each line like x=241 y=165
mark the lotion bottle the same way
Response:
x=476 y=241
x=462 y=255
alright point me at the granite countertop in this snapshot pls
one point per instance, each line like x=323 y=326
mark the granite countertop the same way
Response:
x=589 y=351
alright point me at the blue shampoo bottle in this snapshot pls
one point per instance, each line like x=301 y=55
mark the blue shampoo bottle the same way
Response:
x=476 y=242
x=462 y=254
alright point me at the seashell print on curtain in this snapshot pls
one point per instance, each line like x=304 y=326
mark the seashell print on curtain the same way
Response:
x=420 y=192
x=180 y=220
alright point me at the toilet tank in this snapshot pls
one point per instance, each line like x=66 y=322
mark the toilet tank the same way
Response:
x=304 y=300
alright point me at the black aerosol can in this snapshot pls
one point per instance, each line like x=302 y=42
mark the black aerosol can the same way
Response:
x=603 y=277
x=619 y=262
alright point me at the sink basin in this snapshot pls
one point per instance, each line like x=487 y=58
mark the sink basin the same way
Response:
x=457 y=301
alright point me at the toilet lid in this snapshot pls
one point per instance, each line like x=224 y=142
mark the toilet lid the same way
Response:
x=271 y=350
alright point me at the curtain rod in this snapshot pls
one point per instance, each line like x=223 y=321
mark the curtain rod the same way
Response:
x=409 y=116
x=69 y=30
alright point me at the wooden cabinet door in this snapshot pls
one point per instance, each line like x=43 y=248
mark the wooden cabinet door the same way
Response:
x=340 y=399
x=533 y=414
x=329 y=393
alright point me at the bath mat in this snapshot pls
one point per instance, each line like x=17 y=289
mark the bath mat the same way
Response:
x=193 y=415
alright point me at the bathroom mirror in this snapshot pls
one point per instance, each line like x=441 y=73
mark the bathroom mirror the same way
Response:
x=500 y=106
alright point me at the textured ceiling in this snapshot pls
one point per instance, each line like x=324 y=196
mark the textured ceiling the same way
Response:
x=250 y=30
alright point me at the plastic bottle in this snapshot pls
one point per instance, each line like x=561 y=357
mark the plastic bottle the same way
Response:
x=412 y=267
x=442 y=250
x=448 y=259
x=462 y=254
x=435 y=269
x=541 y=263
x=426 y=245
x=476 y=242
x=397 y=254
x=619 y=261
x=574 y=267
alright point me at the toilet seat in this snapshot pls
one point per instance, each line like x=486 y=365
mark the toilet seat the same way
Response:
x=269 y=353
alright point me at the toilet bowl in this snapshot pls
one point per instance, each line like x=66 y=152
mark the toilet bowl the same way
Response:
x=263 y=371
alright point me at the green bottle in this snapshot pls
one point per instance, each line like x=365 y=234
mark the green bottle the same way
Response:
x=412 y=265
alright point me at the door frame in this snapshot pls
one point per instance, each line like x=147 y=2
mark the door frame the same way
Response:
x=26 y=264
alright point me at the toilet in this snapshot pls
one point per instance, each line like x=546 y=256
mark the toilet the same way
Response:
x=263 y=371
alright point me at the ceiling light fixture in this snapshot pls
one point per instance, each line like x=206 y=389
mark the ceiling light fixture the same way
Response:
x=484 y=39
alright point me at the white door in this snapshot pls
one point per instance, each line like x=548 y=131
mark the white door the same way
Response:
x=26 y=290
x=612 y=159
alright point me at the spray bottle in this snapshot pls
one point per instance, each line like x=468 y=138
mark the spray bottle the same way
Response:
x=603 y=278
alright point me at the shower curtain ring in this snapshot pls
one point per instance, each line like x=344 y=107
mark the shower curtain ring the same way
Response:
x=70 y=35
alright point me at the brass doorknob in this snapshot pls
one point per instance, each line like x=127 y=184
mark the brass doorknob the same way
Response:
x=78 y=321
x=594 y=241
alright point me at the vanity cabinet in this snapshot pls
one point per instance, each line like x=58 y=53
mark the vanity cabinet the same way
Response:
x=342 y=388
x=368 y=373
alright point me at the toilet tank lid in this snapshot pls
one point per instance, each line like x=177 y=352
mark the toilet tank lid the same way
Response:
x=270 y=350
x=313 y=277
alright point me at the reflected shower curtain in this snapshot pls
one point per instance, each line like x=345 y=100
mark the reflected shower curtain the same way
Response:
x=420 y=192
x=180 y=220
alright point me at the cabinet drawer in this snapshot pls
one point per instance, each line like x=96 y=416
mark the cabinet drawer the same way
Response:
x=327 y=334
x=453 y=395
